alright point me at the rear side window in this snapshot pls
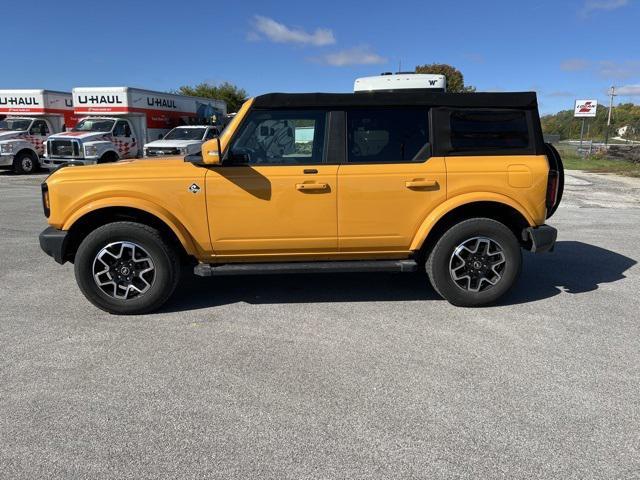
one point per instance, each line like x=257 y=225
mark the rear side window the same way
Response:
x=386 y=135
x=489 y=130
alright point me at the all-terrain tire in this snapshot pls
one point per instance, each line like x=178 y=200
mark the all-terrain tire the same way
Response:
x=439 y=263
x=163 y=258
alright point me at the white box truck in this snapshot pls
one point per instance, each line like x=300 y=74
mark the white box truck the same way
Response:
x=117 y=121
x=390 y=82
x=30 y=116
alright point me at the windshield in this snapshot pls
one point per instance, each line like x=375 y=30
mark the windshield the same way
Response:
x=185 y=134
x=15 y=124
x=94 y=125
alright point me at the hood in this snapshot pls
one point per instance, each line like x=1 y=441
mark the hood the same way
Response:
x=82 y=135
x=173 y=143
x=9 y=134
x=127 y=169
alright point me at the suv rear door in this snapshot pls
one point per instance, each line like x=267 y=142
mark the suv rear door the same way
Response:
x=389 y=182
x=274 y=193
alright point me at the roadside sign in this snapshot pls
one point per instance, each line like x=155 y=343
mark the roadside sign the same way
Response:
x=585 y=108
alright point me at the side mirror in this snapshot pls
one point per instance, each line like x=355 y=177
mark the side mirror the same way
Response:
x=212 y=152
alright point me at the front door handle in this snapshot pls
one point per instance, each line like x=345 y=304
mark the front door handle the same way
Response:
x=312 y=186
x=421 y=184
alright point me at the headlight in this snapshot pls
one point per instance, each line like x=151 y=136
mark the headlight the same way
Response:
x=184 y=150
x=90 y=151
x=6 y=148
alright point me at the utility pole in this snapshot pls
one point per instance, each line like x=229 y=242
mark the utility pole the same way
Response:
x=612 y=93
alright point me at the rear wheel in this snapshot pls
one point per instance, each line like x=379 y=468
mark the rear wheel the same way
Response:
x=475 y=262
x=25 y=162
x=126 y=268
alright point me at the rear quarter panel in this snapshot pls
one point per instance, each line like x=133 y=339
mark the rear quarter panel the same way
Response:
x=522 y=178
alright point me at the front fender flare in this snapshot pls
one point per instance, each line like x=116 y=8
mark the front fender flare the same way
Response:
x=458 y=201
x=146 y=206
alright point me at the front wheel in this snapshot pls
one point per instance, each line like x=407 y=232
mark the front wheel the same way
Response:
x=25 y=162
x=126 y=268
x=475 y=262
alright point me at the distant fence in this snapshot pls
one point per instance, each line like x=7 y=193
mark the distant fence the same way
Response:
x=613 y=151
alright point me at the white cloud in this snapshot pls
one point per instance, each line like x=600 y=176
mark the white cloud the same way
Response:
x=609 y=69
x=591 y=6
x=560 y=94
x=629 y=91
x=352 y=56
x=574 y=65
x=474 y=57
x=618 y=70
x=265 y=27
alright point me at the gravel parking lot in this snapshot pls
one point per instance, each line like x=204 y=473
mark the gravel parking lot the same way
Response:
x=330 y=376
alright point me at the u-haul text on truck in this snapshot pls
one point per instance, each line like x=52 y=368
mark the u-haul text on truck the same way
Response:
x=117 y=121
x=30 y=116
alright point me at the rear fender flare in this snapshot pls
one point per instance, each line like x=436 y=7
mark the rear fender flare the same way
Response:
x=458 y=201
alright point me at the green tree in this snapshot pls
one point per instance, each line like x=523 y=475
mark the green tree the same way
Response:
x=567 y=126
x=230 y=93
x=455 y=79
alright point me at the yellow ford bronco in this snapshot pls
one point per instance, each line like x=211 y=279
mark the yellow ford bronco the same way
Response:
x=454 y=184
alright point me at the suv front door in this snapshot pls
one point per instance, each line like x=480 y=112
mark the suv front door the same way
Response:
x=389 y=182
x=274 y=194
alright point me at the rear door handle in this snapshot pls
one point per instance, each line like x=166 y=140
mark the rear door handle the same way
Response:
x=421 y=184
x=312 y=186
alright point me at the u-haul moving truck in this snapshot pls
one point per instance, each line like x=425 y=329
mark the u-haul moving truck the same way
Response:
x=30 y=116
x=391 y=82
x=118 y=121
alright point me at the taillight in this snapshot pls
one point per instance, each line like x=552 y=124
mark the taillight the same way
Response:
x=552 y=189
x=45 y=200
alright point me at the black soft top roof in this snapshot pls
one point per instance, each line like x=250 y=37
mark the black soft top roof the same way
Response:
x=526 y=100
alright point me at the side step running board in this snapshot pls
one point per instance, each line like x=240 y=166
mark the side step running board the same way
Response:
x=207 y=270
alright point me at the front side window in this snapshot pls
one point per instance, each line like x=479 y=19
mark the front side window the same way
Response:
x=489 y=130
x=39 y=127
x=121 y=129
x=387 y=135
x=280 y=137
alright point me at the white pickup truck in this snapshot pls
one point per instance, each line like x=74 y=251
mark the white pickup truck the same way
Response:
x=31 y=116
x=183 y=140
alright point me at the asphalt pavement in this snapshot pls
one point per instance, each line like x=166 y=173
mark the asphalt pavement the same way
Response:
x=330 y=376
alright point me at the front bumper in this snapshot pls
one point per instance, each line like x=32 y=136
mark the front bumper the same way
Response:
x=53 y=163
x=543 y=238
x=54 y=242
x=6 y=159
